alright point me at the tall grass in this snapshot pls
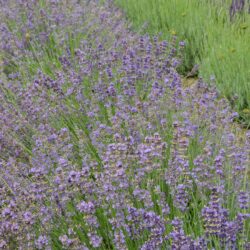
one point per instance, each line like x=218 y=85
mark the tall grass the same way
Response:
x=219 y=45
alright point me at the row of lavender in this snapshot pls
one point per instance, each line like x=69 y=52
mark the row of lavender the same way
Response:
x=107 y=150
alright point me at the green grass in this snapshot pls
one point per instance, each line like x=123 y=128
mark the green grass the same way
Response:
x=218 y=45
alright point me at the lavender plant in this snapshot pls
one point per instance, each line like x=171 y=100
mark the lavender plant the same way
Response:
x=237 y=6
x=107 y=149
x=216 y=34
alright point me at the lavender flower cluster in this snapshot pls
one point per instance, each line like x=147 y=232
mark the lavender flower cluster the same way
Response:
x=111 y=151
x=238 y=6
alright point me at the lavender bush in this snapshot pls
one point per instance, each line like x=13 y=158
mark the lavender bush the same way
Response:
x=101 y=145
x=237 y=6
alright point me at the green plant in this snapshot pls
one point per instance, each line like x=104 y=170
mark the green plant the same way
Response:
x=219 y=45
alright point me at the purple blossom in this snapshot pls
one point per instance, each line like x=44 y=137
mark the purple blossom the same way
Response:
x=42 y=242
x=243 y=200
x=107 y=141
x=86 y=207
x=95 y=240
